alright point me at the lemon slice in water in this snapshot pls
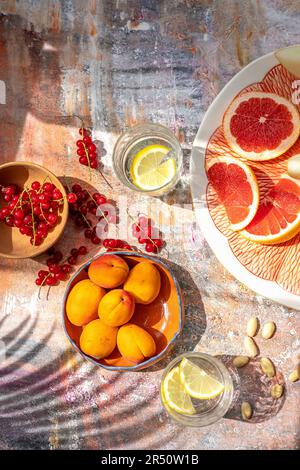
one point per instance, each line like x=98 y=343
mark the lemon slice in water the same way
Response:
x=149 y=171
x=174 y=394
x=197 y=383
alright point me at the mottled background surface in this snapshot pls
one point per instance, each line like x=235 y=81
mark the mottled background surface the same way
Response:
x=116 y=63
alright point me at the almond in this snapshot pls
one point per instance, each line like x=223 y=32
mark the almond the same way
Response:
x=246 y=410
x=240 y=361
x=267 y=366
x=252 y=326
x=250 y=346
x=268 y=330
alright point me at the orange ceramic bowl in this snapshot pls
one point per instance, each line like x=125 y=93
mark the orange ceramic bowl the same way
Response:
x=12 y=243
x=163 y=318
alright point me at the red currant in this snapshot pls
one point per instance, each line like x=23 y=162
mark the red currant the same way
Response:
x=92 y=148
x=81 y=152
x=127 y=247
x=72 y=198
x=94 y=164
x=79 y=222
x=42 y=273
x=112 y=243
x=72 y=260
x=87 y=140
x=66 y=268
x=36 y=185
x=82 y=250
x=149 y=247
x=76 y=188
x=58 y=256
x=106 y=242
x=57 y=194
x=48 y=187
x=158 y=242
x=88 y=233
x=27 y=219
x=83 y=161
x=52 y=219
x=79 y=143
x=51 y=281
x=19 y=214
x=54 y=269
x=95 y=240
x=38 y=281
x=83 y=131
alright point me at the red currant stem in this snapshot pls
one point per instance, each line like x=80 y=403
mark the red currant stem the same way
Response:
x=48 y=292
x=43 y=214
x=19 y=203
x=106 y=181
x=86 y=220
x=43 y=282
x=44 y=181
x=32 y=215
x=88 y=159
x=98 y=206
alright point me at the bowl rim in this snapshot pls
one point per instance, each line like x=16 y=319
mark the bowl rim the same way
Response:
x=40 y=249
x=152 y=360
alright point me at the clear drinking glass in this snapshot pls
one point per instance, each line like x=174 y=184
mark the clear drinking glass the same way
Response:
x=138 y=138
x=207 y=411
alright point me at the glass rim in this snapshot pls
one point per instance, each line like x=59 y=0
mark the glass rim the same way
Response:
x=143 y=127
x=207 y=417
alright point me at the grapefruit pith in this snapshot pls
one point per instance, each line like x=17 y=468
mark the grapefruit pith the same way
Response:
x=278 y=217
x=261 y=126
x=236 y=187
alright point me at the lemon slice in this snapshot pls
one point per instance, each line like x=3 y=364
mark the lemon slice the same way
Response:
x=197 y=383
x=148 y=171
x=174 y=394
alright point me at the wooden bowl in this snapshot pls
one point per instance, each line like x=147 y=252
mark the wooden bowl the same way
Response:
x=12 y=243
x=163 y=318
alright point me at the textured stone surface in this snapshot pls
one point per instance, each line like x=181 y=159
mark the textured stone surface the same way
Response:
x=116 y=63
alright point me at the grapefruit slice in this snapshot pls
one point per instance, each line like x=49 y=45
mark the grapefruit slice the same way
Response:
x=261 y=126
x=236 y=187
x=278 y=217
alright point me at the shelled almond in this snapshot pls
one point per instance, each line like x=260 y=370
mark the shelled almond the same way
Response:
x=268 y=330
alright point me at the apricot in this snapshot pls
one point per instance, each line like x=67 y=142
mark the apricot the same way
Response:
x=82 y=302
x=116 y=307
x=108 y=271
x=134 y=343
x=143 y=282
x=98 y=339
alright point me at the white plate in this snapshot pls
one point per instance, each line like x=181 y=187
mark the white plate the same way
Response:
x=254 y=72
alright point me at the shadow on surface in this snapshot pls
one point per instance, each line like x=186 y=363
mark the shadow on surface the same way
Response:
x=194 y=321
x=252 y=385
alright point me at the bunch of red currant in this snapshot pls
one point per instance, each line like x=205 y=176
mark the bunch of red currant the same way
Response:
x=86 y=149
x=143 y=230
x=57 y=269
x=83 y=205
x=34 y=211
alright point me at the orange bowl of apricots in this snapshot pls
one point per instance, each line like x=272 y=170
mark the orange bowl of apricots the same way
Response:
x=33 y=209
x=123 y=310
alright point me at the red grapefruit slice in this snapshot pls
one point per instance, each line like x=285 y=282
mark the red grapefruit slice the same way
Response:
x=236 y=187
x=261 y=126
x=278 y=217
